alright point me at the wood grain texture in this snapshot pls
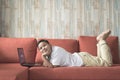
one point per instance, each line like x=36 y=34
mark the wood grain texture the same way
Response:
x=58 y=18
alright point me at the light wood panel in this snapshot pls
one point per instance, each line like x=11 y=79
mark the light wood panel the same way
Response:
x=58 y=18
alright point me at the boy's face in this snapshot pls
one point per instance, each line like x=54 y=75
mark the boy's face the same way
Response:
x=45 y=48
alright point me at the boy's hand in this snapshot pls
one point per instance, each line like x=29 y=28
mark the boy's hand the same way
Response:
x=46 y=62
x=45 y=54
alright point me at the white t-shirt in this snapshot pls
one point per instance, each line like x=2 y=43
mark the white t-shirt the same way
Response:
x=61 y=57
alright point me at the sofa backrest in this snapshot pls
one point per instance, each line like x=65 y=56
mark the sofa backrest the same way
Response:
x=70 y=45
x=8 y=49
x=88 y=44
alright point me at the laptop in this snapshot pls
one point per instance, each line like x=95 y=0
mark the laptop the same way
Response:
x=22 y=58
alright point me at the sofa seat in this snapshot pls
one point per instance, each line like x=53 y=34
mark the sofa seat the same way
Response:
x=13 y=71
x=75 y=73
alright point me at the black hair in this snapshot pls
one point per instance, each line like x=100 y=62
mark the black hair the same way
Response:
x=43 y=40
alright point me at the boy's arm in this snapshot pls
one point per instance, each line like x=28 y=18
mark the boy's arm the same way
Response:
x=46 y=62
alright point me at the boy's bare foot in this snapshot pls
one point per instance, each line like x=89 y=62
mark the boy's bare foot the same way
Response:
x=103 y=35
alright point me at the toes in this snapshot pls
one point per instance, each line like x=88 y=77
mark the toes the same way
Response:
x=103 y=35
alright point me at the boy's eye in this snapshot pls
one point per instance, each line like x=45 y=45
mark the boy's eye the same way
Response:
x=40 y=48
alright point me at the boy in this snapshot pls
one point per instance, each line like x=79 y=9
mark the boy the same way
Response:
x=54 y=56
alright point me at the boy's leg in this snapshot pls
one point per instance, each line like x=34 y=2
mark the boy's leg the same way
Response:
x=98 y=51
x=104 y=57
x=103 y=49
x=104 y=52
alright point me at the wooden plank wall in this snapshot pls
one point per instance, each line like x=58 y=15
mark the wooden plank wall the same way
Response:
x=58 y=18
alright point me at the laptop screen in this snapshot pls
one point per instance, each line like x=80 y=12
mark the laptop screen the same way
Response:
x=21 y=55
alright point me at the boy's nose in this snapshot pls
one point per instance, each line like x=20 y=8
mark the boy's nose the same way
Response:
x=43 y=48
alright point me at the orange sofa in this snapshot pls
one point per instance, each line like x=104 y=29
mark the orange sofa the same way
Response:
x=10 y=69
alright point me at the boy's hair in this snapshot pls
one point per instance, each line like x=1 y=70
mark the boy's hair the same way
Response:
x=43 y=40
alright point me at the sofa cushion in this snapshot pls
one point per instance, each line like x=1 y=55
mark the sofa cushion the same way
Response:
x=8 y=49
x=75 y=73
x=70 y=45
x=15 y=71
x=88 y=44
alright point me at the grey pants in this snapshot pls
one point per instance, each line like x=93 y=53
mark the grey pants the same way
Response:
x=103 y=58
